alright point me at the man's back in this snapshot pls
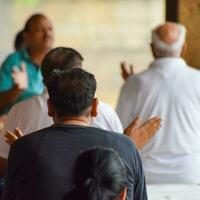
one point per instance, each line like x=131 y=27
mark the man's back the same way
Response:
x=171 y=90
x=41 y=164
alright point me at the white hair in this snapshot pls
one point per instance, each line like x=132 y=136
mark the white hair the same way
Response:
x=174 y=49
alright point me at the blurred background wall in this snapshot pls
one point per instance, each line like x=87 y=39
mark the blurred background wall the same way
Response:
x=106 y=32
x=189 y=15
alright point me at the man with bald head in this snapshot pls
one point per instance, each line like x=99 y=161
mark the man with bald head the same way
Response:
x=170 y=89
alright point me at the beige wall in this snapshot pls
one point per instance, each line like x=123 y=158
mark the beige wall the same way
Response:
x=189 y=15
x=105 y=32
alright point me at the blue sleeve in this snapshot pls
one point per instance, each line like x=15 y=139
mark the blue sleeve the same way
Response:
x=140 y=190
x=136 y=178
x=135 y=174
x=6 y=81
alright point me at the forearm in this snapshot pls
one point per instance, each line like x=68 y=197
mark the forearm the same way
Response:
x=9 y=97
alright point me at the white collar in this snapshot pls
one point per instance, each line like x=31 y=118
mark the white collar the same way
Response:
x=169 y=62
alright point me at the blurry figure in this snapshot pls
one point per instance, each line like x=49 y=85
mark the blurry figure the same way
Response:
x=20 y=75
x=99 y=174
x=19 y=42
x=171 y=90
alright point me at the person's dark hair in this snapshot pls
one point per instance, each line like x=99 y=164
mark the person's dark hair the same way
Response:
x=71 y=92
x=19 y=40
x=99 y=174
x=31 y=19
x=61 y=58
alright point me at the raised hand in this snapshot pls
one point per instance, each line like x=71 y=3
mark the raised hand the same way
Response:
x=142 y=134
x=125 y=71
x=20 y=77
x=11 y=137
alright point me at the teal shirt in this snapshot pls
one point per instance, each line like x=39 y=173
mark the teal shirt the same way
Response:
x=35 y=82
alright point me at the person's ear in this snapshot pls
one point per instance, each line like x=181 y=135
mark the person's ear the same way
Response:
x=123 y=193
x=184 y=49
x=94 y=107
x=51 y=111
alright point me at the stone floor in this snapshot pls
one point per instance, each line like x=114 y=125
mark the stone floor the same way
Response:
x=173 y=192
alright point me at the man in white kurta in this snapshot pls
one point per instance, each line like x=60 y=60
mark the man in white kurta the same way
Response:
x=170 y=89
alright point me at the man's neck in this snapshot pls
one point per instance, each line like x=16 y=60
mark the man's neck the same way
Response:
x=81 y=121
x=37 y=56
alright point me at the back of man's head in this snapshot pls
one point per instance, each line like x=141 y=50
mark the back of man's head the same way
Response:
x=60 y=58
x=71 y=92
x=168 y=40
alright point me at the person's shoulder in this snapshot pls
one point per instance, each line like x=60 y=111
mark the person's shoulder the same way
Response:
x=104 y=105
x=134 y=79
x=12 y=59
x=133 y=82
x=193 y=71
x=123 y=145
x=16 y=55
x=106 y=109
x=115 y=137
x=33 y=137
x=33 y=101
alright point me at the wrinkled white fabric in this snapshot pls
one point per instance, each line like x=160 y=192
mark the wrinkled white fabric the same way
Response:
x=169 y=89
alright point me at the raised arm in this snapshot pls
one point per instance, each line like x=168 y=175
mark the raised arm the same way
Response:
x=126 y=71
x=20 y=80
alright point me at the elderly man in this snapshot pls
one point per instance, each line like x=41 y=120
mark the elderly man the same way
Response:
x=40 y=165
x=20 y=75
x=171 y=89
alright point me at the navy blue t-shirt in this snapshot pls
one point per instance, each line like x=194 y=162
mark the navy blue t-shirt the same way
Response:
x=40 y=165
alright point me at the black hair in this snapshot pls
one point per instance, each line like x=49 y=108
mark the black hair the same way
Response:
x=71 y=92
x=61 y=58
x=99 y=174
x=19 y=40
x=31 y=19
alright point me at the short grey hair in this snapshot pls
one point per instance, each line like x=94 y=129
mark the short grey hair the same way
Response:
x=174 y=49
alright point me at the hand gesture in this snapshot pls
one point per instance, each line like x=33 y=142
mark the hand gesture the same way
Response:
x=142 y=134
x=20 y=77
x=125 y=72
x=11 y=137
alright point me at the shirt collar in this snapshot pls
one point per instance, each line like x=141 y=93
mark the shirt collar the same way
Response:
x=26 y=56
x=168 y=62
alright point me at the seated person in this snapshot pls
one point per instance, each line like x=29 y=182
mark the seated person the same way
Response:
x=99 y=173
